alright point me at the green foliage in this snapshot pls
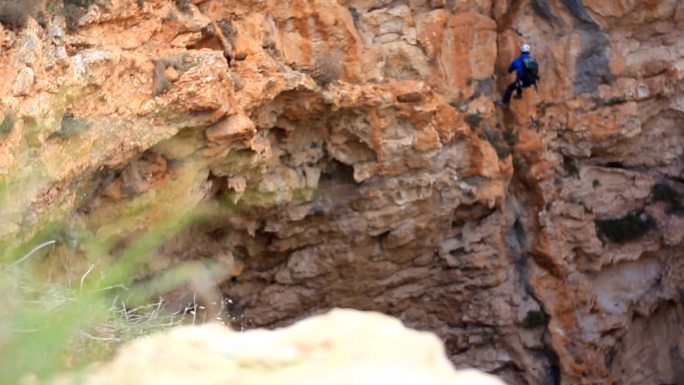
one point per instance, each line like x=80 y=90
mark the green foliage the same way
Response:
x=70 y=293
x=534 y=319
x=14 y=14
x=497 y=141
x=160 y=83
x=228 y=29
x=570 y=165
x=71 y=126
x=510 y=136
x=74 y=10
x=542 y=107
x=520 y=164
x=328 y=67
x=473 y=120
x=628 y=228
x=181 y=62
x=7 y=123
x=183 y=5
x=70 y=298
x=665 y=192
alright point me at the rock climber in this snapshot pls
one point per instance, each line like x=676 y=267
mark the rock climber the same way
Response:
x=527 y=75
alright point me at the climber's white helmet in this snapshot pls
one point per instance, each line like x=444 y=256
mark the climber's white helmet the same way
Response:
x=525 y=48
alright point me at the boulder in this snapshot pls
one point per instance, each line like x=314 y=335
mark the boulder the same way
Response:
x=341 y=347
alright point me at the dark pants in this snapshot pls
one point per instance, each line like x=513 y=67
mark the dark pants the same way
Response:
x=517 y=86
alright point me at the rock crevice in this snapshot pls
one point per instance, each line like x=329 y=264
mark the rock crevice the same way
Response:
x=350 y=155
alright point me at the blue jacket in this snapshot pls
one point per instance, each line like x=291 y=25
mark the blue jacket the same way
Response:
x=518 y=65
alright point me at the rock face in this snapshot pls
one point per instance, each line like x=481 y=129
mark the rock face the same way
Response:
x=341 y=347
x=350 y=155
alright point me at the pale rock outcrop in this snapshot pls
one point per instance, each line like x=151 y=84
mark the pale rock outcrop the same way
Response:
x=542 y=243
x=341 y=347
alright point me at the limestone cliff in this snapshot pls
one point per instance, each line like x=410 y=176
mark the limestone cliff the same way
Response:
x=351 y=155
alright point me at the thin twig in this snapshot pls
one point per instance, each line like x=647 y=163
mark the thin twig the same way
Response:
x=148 y=306
x=125 y=311
x=86 y=274
x=92 y=337
x=113 y=287
x=30 y=253
x=194 y=306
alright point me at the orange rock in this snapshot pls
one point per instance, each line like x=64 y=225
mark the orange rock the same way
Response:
x=426 y=140
x=374 y=179
x=230 y=130
x=171 y=74
x=468 y=51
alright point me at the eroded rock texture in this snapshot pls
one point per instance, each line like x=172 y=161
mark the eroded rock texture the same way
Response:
x=351 y=155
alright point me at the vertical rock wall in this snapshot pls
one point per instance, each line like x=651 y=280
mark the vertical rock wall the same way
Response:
x=351 y=156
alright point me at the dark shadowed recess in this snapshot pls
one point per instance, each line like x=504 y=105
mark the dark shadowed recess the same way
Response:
x=592 y=67
x=542 y=8
x=576 y=7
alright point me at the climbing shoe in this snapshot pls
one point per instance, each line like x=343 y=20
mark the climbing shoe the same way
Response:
x=517 y=96
x=502 y=104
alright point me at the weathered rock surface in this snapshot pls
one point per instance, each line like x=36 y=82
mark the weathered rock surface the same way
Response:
x=341 y=347
x=542 y=243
